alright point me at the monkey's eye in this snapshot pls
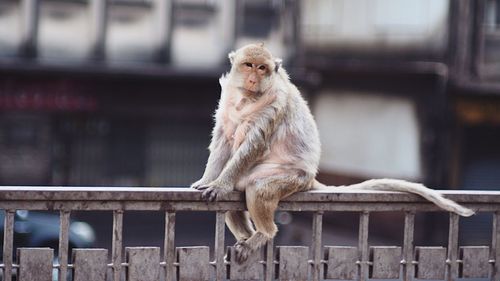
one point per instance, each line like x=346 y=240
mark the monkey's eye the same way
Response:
x=248 y=64
x=262 y=67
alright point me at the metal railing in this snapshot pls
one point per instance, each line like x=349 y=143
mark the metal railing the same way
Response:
x=283 y=263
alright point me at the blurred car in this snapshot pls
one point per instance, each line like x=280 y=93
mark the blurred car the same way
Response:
x=39 y=229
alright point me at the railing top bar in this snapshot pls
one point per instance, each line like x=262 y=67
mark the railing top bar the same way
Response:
x=68 y=193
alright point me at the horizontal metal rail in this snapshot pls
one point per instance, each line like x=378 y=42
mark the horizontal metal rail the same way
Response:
x=360 y=263
x=185 y=199
x=73 y=195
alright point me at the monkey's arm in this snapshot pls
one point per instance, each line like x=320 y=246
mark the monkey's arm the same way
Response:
x=220 y=152
x=252 y=147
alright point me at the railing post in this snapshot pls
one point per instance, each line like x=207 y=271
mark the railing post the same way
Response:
x=220 y=225
x=117 y=244
x=64 y=216
x=269 y=276
x=452 y=268
x=495 y=248
x=408 y=267
x=8 y=241
x=316 y=246
x=363 y=254
x=169 y=246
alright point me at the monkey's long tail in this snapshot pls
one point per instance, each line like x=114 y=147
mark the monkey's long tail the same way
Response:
x=404 y=186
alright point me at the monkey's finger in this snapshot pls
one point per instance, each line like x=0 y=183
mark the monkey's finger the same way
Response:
x=206 y=194
x=213 y=195
x=202 y=187
x=210 y=194
x=198 y=184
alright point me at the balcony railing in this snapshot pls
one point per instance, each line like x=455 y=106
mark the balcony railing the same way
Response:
x=275 y=263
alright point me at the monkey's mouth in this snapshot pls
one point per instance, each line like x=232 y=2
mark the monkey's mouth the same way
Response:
x=249 y=92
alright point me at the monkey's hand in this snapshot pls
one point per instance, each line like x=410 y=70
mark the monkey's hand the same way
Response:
x=215 y=190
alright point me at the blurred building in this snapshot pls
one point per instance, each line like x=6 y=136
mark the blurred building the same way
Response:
x=121 y=92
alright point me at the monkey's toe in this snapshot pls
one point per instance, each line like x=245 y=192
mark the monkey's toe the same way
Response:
x=242 y=251
x=239 y=242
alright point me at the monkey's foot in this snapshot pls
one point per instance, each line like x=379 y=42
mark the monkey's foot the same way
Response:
x=242 y=251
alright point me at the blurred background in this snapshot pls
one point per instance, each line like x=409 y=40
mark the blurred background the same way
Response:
x=122 y=92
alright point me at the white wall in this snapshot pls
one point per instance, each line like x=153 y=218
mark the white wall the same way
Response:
x=368 y=135
x=368 y=24
x=64 y=30
x=204 y=45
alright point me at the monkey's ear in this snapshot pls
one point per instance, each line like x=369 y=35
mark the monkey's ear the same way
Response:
x=231 y=56
x=277 y=63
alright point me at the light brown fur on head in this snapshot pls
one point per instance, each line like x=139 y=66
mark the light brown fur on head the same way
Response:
x=252 y=51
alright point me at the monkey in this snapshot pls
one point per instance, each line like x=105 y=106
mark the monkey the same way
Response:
x=265 y=143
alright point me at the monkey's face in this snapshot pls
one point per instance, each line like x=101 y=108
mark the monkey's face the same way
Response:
x=253 y=69
x=254 y=75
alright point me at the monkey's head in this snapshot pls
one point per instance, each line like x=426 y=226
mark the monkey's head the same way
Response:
x=253 y=68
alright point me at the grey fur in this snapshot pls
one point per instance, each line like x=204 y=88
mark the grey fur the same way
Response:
x=266 y=144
